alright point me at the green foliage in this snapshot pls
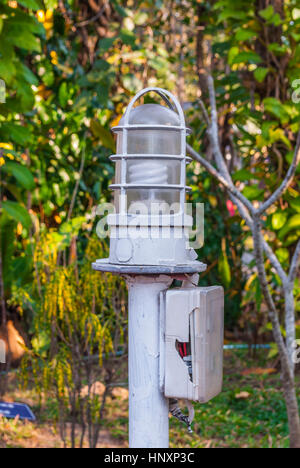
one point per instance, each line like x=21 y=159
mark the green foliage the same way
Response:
x=17 y=212
x=80 y=320
x=256 y=74
x=21 y=173
x=68 y=80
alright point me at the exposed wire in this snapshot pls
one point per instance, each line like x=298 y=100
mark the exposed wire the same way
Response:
x=175 y=411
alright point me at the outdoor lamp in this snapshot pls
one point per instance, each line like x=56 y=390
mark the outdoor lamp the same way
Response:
x=175 y=335
x=150 y=226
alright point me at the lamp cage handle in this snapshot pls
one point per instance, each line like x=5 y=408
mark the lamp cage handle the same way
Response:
x=165 y=95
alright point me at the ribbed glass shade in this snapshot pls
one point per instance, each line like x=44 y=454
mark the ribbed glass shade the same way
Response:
x=153 y=171
x=166 y=201
x=145 y=141
x=151 y=141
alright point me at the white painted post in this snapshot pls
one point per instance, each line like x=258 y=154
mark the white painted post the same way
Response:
x=148 y=408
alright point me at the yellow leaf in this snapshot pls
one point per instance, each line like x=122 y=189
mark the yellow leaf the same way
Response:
x=116 y=120
x=49 y=15
x=249 y=281
x=19 y=229
x=249 y=244
x=6 y=146
x=40 y=16
x=213 y=200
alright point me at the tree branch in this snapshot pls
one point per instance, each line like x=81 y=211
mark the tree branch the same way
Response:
x=204 y=112
x=91 y=20
x=286 y=181
x=238 y=199
x=258 y=250
x=275 y=262
x=228 y=185
x=294 y=264
x=213 y=132
x=82 y=162
x=235 y=195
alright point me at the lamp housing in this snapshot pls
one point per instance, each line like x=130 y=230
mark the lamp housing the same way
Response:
x=149 y=226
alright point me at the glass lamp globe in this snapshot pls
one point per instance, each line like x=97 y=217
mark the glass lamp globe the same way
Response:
x=153 y=153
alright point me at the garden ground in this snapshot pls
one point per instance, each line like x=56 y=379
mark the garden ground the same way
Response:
x=249 y=413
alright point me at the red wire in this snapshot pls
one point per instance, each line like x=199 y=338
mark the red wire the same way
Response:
x=182 y=349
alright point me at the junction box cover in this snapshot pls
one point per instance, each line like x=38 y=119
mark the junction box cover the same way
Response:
x=192 y=337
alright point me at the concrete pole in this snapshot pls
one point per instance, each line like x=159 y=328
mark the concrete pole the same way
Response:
x=148 y=408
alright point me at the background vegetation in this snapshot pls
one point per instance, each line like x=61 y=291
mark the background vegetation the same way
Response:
x=70 y=68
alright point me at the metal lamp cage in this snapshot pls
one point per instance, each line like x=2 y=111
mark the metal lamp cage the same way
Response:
x=124 y=156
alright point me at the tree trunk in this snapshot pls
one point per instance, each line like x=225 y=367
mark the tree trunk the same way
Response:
x=290 y=325
x=292 y=412
x=288 y=377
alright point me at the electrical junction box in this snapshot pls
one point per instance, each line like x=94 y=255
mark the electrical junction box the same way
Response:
x=191 y=343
